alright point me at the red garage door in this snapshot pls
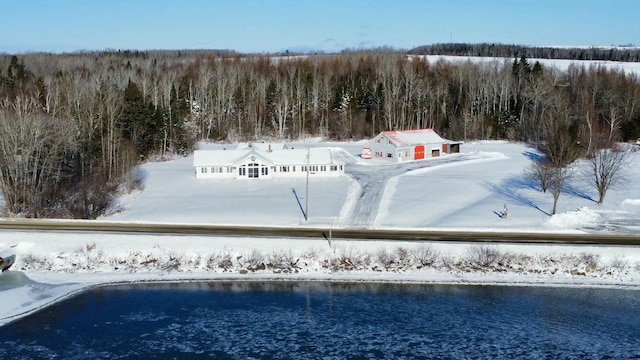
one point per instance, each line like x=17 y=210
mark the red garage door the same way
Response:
x=418 y=152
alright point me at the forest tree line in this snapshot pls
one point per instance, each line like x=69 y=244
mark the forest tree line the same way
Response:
x=626 y=53
x=73 y=126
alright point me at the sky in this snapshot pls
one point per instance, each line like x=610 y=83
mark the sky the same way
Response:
x=253 y=26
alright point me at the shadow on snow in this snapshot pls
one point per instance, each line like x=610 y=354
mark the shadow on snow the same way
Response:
x=509 y=190
x=575 y=191
x=535 y=157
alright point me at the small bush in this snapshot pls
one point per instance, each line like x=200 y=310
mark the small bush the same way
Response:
x=220 y=260
x=403 y=257
x=281 y=260
x=172 y=264
x=449 y=262
x=483 y=257
x=255 y=261
x=424 y=255
x=619 y=263
x=348 y=260
x=32 y=262
x=212 y=261
x=590 y=262
x=385 y=258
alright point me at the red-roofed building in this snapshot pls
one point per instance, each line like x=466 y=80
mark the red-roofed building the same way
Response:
x=408 y=145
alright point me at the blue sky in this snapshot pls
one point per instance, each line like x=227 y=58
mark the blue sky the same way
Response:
x=325 y=25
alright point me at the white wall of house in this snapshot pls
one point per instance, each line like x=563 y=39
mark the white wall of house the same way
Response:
x=383 y=148
x=315 y=170
x=216 y=172
x=257 y=164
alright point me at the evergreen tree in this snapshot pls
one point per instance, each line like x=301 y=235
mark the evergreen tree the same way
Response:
x=139 y=122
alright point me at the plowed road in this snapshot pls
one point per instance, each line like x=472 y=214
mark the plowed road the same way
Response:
x=303 y=232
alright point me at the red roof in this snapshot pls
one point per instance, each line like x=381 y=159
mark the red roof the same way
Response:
x=413 y=137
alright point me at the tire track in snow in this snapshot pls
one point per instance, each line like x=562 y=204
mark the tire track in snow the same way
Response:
x=373 y=180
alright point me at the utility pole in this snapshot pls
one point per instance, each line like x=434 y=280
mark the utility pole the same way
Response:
x=306 y=197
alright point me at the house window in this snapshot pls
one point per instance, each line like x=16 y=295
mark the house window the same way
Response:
x=323 y=168
x=284 y=169
x=264 y=170
x=390 y=155
x=242 y=170
x=334 y=168
x=253 y=170
x=203 y=170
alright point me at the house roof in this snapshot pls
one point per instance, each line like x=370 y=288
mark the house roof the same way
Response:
x=317 y=156
x=262 y=146
x=412 y=137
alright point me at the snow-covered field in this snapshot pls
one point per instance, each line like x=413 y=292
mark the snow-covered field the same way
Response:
x=559 y=64
x=462 y=192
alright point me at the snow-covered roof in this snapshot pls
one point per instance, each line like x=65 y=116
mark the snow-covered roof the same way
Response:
x=412 y=137
x=217 y=157
x=262 y=146
x=299 y=156
x=274 y=157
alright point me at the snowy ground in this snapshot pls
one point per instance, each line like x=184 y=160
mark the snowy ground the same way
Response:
x=461 y=192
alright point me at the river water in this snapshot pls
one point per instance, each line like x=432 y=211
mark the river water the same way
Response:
x=318 y=320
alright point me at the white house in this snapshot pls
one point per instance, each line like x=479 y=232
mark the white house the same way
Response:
x=408 y=145
x=268 y=161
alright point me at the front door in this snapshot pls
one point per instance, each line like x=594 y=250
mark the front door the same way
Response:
x=418 y=152
x=253 y=171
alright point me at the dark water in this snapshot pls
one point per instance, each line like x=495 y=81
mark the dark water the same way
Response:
x=309 y=320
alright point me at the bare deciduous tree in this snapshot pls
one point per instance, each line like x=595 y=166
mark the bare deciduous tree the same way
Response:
x=604 y=169
x=30 y=149
x=559 y=177
x=562 y=147
x=541 y=173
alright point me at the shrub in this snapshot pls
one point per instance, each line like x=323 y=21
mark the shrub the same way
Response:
x=32 y=262
x=590 y=262
x=483 y=257
x=348 y=260
x=449 y=262
x=281 y=260
x=424 y=255
x=173 y=263
x=255 y=261
x=619 y=263
x=225 y=262
x=386 y=258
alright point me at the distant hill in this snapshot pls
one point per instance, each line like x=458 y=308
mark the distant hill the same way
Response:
x=610 y=53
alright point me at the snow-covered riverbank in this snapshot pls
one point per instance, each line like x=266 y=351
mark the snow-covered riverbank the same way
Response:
x=57 y=265
x=457 y=195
